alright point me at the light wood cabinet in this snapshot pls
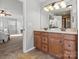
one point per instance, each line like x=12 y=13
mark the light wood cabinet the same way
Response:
x=69 y=55
x=45 y=48
x=60 y=45
x=44 y=39
x=56 y=45
x=70 y=46
x=37 y=40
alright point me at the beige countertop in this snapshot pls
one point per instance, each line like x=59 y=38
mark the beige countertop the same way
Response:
x=57 y=31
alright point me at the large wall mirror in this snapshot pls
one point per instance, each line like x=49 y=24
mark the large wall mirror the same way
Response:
x=60 y=14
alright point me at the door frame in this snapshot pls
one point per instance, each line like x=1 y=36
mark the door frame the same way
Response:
x=24 y=25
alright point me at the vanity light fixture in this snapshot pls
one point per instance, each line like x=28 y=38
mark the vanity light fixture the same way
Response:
x=56 y=5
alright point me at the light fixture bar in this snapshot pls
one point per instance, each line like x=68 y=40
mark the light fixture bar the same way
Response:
x=56 y=5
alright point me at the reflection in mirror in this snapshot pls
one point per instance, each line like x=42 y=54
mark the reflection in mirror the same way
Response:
x=66 y=21
x=60 y=19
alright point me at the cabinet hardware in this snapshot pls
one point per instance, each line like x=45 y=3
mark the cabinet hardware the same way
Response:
x=44 y=47
x=69 y=45
x=60 y=41
x=68 y=57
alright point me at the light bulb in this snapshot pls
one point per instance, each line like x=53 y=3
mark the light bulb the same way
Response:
x=46 y=9
x=70 y=6
x=50 y=8
x=56 y=6
x=63 y=4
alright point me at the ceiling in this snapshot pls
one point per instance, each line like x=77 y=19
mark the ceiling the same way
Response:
x=12 y=6
x=53 y=0
x=42 y=1
x=46 y=2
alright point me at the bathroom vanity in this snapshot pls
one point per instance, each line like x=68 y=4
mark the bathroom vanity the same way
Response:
x=60 y=44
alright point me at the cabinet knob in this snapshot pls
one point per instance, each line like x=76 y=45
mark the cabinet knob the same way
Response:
x=60 y=41
x=69 y=45
x=68 y=57
x=44 y=47
x=44 y=39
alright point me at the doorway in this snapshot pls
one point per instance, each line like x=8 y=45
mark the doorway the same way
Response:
x=11 y=27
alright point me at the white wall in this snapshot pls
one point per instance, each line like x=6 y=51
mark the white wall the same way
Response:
x=74 y=20
x=31 y=21
x=44 y=18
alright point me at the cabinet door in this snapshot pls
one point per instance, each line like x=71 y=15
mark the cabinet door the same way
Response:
x=44 y=48
x=37 y=42
x=69 y=45
x=44 y=40
x=56 y=46
x=70 y=55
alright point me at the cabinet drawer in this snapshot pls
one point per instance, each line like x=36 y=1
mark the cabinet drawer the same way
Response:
x=55 y=35
x=44 y=34
x=70 y=45
x=37 y=33
x=44 y=48
x=45 y=40
x=70 y=55
x=37 y=41
x=70 y=37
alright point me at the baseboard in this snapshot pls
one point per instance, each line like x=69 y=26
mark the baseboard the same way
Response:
x=29 y=50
